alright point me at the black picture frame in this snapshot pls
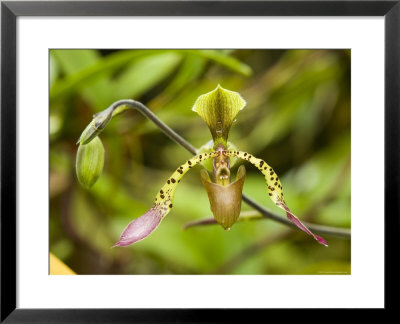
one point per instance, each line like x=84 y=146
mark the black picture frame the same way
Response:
x=11 y=10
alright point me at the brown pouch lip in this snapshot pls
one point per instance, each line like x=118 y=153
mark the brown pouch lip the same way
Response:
x=225 y=201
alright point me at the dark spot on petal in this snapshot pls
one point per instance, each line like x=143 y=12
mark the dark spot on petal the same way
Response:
x=200 y=156
x=275 y=183
x=161 y=192
x=173 y=180
x=272 y=189
x=168 y=181
x=261 y=163
x=170 y=205
x=272 y=178
x=180 y=171
x=271 y=173
x=245 y=154
x=190 y=163
x=162 y=196
x=270 y=194
x=270 y=169
x=265 y=168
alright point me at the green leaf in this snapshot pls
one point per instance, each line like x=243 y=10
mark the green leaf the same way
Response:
x=74 y=61
x=223 y=59
x=100 y=67
x=53 y=69
x=71 y=83
x=191 y=67
x=144 y=74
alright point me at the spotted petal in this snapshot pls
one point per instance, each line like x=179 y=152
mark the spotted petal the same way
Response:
x=143 y=226
x=274 y=189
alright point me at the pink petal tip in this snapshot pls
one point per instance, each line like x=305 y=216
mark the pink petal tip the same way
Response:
x=304 y=228
x=140 y=228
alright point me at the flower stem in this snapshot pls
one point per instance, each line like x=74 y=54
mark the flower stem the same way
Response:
x=125 y=104
x=255 y=215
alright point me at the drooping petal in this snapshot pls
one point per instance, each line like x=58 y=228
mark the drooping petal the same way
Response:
x=300 y=225
x=225 y=201
x=143 y=226
x=274 y=189
x=140 y=227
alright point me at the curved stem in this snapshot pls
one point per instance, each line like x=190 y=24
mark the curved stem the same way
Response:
x=124 y=104
x=119 y=106
x=254 y=215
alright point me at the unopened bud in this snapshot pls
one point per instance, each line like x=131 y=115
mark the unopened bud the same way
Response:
x=89 y=162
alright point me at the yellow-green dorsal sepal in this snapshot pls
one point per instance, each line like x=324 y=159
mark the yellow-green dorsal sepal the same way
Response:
x=218 y=109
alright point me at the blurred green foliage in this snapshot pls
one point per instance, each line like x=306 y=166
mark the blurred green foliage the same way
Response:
x=297 y=119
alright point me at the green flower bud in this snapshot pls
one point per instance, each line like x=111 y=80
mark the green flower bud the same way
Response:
x=89 y=162
x=218 y=109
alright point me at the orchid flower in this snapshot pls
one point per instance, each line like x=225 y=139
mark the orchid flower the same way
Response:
x=218 y=109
